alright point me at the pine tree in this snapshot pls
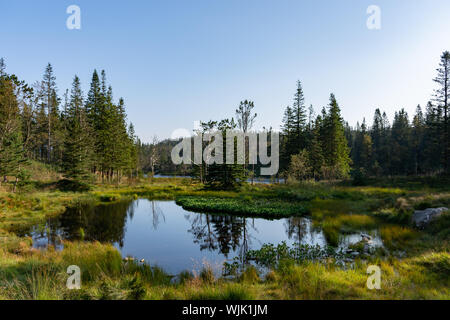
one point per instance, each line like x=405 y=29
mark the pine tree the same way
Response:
x=362 y=149
x=376 y=133
x=12 y=156
x=224 y=176
x=299 y=120
x=432 y=146
x=78 y=143
x=400 y=144
x=132 y=155
x=287 y=138
x=2 y=67
x=245 y=119
x=417 y=141
x=442 y=96
x=335 y=145
x=315 y=152
x=51 y=102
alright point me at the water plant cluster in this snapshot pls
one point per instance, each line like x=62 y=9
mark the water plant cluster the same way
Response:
x=270 y=255
x=245 y=206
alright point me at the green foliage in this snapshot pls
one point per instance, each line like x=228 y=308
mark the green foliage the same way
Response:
x=12 y=158
x=270 y=256
x=72 y=185
x=268 y=209
x=207 y=275
x=440 y=227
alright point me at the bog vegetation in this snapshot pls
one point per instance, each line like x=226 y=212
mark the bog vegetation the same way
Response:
x=57 y=152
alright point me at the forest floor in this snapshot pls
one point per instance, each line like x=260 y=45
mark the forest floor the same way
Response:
x=415 y=264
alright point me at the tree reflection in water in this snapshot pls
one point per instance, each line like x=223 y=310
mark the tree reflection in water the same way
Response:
x=224 y=233
x=157 y=213
x=229 y=236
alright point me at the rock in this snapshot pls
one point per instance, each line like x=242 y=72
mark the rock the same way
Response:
x=175 y=279
x=355 y=253
x=421 y=218
x=366 y=237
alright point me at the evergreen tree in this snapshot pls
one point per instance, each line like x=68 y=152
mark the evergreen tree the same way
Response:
x=287 y=138
x=132 y=155
x=334 y=144
x=12 y=156
x=78 y=143
x=245 y=119
x=442 y=96
x=362 y=149
x=299 y=120
x=51 y=102
x=417 y=141
x=376 y=134
x=432 y=147
x=225 y=176
x=400 y=144
x=315 y=152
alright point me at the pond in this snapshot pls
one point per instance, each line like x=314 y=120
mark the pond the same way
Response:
x=166 y=235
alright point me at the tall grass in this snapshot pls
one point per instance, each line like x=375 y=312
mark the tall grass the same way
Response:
x=394 y=235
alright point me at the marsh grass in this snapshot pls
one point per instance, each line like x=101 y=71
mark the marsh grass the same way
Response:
x=42 y=276
x=243 y=206
x=395 y=236
x=26 y=273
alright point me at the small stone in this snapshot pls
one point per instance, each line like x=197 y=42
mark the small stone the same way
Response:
x=366 y=237
x=421 y=218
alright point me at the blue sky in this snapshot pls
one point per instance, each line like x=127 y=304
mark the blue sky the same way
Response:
x=175 y=62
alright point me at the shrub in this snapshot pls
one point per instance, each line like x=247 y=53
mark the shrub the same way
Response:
x=72 y=185
x=207 y=275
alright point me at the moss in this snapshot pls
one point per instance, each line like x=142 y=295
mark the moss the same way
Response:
x=244 y=207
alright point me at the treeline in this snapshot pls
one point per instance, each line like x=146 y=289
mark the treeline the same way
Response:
x=82 y=136
x=326 y=147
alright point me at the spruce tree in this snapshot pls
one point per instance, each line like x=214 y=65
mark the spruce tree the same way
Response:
x=51 y=102
x=12 y=157
x=78 y=143
x=315 y=152
x=401 y=163
x=442 y=97
x=287 y=138
x=335 y=145
x=432 y=137
x=417 y=141
x=299 y=120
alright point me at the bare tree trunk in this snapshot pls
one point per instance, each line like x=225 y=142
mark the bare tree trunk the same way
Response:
x=15 y=184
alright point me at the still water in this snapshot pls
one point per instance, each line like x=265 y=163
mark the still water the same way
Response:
x=166 y=235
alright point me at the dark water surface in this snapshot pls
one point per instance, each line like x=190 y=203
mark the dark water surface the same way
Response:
x=165 y=234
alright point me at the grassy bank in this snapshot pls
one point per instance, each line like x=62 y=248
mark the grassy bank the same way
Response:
x=39 y=275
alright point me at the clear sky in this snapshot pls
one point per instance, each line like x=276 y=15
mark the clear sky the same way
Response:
x=175 y=62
